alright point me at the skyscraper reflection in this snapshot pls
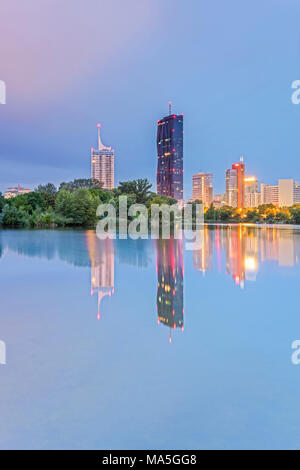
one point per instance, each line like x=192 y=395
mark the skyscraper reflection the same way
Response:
x=102 y=257
x=245 y=247
x=169 y=255
x=203 y=255
x=235 y=255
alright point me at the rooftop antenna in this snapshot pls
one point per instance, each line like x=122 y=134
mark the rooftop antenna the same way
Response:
x=241 y=158
x=170 y=108
x=100 y=145
x=99 y=138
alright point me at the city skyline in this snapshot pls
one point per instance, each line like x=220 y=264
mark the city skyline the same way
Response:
x=234 y=100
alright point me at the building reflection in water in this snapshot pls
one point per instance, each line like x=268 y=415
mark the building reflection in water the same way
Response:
x=240 y=248
x=170 y=273
x=102 y=258
x=203 y=254
x=245 y=247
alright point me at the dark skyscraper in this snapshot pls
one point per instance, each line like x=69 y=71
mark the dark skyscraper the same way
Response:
x=170 y=156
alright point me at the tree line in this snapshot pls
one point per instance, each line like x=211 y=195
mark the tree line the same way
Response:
x=74 y=204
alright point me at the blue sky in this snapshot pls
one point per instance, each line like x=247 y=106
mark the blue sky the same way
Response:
x=228 y=66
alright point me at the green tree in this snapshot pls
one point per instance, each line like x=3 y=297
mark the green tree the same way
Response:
x=86 y=183
x=2 y=202
x=252 y=216
x=157 y=199
x=210 y=214
x=141 y=188
x=29 y=202
x=11 y=216
x=225 y=213
x=295 y=213
x=84 y=207
x=64 y=204
x=48 y=193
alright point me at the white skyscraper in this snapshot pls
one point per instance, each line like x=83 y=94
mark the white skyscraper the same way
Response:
x=103 y=163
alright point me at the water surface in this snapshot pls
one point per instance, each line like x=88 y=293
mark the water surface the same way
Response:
x=143 y=344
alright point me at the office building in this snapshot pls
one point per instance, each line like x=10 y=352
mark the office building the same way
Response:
x=269 y=194
x=288 y=192
x=203 y=188
x=170 y=156
x=235 y=185
x=103 y=164
x=252 y=194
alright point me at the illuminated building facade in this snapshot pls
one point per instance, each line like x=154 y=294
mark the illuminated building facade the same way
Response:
x=13 y=192
x=252 y=194
x=269 y=194
x=231 y=188
x=203 y=188
x=103 y=164
x=170 y=156
x=288 y=192
x=235 y=185
x=170 y=283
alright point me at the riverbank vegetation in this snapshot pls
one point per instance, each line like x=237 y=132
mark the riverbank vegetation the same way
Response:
x=74 y=204
x=264 y=214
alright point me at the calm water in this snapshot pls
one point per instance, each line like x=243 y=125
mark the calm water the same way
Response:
x=142 y=344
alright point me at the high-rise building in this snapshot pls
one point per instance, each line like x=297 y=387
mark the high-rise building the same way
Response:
x=203 y=188
x=231 y=188
x=252 y=195
x=235 y=185
x=269 y=194
x=288 y=192
x=103 y=163
x=170 y=156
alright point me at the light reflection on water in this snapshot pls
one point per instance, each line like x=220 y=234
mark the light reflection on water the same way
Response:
x=225 y=380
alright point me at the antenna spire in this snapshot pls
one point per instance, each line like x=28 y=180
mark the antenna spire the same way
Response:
x=100 y=145
x=99 y=138
x=241 y=158
x=170 y=108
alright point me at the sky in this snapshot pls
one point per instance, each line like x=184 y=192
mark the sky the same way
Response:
x=227 y=66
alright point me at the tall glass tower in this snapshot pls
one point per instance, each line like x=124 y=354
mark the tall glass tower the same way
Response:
x=170 y=156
